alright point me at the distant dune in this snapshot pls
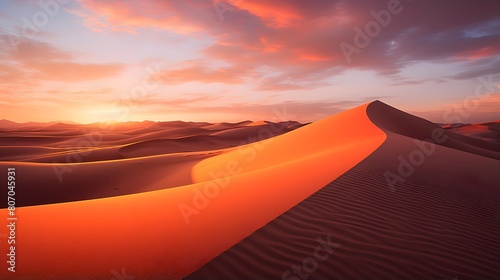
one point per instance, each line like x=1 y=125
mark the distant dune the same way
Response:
x=78 y=162
x=387 y=195
x=486 y=131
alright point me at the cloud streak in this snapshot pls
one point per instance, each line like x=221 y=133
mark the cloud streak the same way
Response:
x=241 y=54
x=300 y=39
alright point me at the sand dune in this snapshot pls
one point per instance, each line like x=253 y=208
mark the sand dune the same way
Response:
x=440 y=223
x=56 y=183
x=178 y=145
x=106 y=162
x=252 y=211
x=391 y=119
x=170 y=246
x=63 y=141
x=485 y=131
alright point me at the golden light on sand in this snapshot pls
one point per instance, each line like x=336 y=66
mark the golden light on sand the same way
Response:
x=148 y=196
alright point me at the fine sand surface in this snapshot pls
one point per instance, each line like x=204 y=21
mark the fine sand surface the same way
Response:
x=442 y=222
x=170 y=204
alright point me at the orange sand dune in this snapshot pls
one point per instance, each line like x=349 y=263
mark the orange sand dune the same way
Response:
x=257 y=210
x=55 y=183
x=439 y=223
x=430 y=227
x=90 y=165
x=328 y=135
x=153 y=236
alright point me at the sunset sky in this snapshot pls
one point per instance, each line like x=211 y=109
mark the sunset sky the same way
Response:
x=233 y=60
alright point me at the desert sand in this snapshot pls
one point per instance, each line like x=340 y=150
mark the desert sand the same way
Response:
x=249 y=200
x=442 y=222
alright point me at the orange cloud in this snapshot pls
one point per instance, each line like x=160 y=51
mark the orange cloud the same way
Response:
x=120 y=16
x=74 y=72
x=479 y=53
x=303 y=55
x=470 y=109
x=28 y=73
x=30 y=50
x=275 y=14
x=491 y=103
x=301 y=39
x=36 y=61
x=268 y=46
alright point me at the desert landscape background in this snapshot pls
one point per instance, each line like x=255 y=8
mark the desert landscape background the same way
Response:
x=249 y=200
x=249 y=139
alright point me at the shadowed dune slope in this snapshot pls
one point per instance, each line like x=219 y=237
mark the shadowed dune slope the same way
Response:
x=485 y=131
x=394 y=120
x=39 y=184
x=441 y=222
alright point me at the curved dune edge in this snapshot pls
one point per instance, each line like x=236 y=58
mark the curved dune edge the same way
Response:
x=40 y=185
x=342 y=129
x=390 y=119
x=439 y=223
x=147 y=234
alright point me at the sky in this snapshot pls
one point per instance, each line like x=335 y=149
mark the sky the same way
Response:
x=231 y=60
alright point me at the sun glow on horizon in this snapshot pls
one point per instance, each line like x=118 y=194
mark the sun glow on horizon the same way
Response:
x=237 y=63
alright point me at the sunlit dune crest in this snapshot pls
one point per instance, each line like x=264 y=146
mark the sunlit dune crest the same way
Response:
x=189 y=209
x=183 y=248
x=249 y=139
x=420 y=206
